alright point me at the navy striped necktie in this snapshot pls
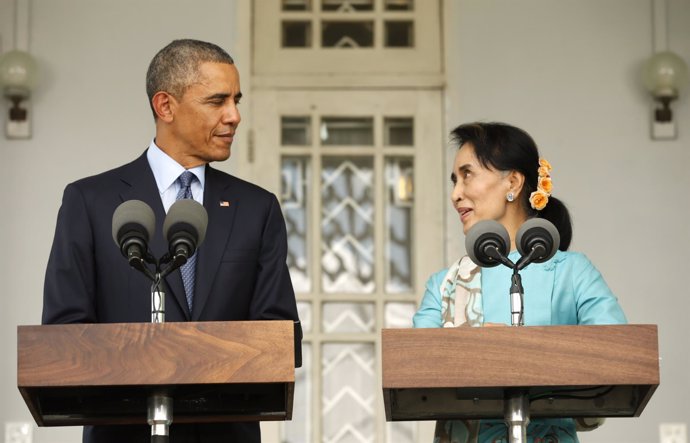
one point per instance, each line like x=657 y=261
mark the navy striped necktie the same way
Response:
x=188 y=270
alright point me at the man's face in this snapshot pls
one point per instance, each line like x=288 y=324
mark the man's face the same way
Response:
x=206 y=117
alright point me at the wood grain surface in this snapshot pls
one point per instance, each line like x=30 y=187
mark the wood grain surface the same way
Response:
x=151 y=354
x=520 y=356
x=565 y=371
x=104 y=373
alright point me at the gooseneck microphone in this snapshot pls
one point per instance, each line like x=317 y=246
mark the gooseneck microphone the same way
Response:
x=537 y=241
x=133 y=225
x=185 y=229
x=487 y=244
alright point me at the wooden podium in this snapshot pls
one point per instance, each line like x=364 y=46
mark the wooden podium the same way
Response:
x=88 y=374
x=567 y=371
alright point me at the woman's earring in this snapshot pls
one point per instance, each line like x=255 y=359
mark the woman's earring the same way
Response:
x=510 y=196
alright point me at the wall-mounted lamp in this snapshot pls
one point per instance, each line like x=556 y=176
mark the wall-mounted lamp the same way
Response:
x=664 y=75
x=18 y=71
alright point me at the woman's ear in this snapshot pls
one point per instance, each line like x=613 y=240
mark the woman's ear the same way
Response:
x=516 y=181
x=164 y=105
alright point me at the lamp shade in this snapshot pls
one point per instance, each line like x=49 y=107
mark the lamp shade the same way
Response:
x=18 y=72
x=665 y=74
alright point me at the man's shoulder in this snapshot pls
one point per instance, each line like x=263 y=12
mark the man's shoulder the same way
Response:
x=238 y=185
x=115 y=174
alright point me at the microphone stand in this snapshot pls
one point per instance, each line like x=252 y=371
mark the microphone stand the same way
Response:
x=160 y=404
x=517 y=293
x=157 y=299
x=516 y=401
x=160 y=407
x=516 y=300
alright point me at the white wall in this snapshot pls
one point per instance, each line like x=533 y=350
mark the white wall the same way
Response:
x=568 y=73
x=565 y=71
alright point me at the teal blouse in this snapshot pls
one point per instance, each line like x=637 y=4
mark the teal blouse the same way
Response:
x=566 y=290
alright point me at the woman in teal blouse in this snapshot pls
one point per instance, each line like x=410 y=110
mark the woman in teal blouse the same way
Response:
x=498 y=175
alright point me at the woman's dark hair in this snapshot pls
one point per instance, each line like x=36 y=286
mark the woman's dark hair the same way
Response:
x=507 y=148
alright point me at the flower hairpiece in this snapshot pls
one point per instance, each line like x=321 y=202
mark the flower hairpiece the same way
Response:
x=539 y=198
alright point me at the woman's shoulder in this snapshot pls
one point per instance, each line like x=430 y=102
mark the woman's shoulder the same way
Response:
x=565 y=264
x=571 y=259
x=436 y=278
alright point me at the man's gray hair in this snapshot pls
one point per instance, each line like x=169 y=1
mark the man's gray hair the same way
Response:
x=176 y=66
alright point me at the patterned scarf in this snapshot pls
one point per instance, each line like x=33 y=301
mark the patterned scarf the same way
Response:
x=461 y=305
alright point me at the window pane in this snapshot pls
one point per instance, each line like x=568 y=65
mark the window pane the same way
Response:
x=304 y=312
x=357 y=131
x=295 y=176
x=349 y=387
x=399 y=315
x=401 y=432
x=296 y=34
x=295 y=131
x=299 y=429
x=348 y=5
x=347 y=226
x=348 y=317
x=296 y=5
x=399 y=34
x=399 y=5
x=399 y=205
x=359 y=34
x=398 y=131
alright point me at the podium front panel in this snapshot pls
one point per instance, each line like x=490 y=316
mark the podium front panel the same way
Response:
x=104 y=373
x=567 y=371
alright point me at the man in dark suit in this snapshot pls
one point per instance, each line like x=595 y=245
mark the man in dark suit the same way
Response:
x=193 y=90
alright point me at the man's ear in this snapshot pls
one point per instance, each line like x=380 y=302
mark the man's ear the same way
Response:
x=164 y=106
x=516 y=181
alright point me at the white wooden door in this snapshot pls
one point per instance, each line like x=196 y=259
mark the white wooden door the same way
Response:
x=360 y=178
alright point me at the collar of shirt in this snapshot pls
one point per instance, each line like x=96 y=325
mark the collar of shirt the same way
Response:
x=166 y=171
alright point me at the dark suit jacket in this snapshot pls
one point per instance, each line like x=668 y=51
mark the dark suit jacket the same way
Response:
x=241 y=271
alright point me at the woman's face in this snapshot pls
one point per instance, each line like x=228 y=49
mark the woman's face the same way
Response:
x=478 y=193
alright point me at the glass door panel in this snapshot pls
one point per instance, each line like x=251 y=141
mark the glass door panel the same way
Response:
x=350 y=168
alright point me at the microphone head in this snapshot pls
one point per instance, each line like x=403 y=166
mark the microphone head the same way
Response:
x=188 y=219
x=483 y=236
x=133 y=218
x=538 y=233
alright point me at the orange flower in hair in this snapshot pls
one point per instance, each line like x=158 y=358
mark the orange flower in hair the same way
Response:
x=545 y=184
x=539 y=198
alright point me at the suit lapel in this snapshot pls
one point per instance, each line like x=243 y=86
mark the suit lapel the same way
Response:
x=221 y=206
x=142 y=186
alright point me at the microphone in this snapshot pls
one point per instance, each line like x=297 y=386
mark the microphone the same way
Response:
x=184 y=228
x=133 y=225
x=537 y=240
x=487 y=244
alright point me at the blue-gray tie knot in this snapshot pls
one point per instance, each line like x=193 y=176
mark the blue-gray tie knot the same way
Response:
x=185 y=179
